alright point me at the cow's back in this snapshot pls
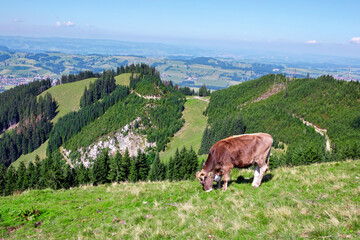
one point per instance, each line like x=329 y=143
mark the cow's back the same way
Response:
x=241 y=150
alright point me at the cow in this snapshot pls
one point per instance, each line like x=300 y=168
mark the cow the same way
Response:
x=240 y=151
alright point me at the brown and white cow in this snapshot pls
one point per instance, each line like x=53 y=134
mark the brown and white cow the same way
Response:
x=239 y=151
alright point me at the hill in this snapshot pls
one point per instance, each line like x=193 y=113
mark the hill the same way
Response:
x=316 y=201
x=289 y=109
x=67 y=97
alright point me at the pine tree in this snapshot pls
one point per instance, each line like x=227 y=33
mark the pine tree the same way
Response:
x=82 y=174
x=10 y=180
x=55 y=176
x=69 y=177
x=177 y=171
x=120 y=174
x=45 y=166
x=125 y=164
x=2 y=179
x=158 y=170
x=35 y=176
x=21 y=172
x=184 y=162
x=30 y=172
x=100 y=169
x=143 y=166
x=113 y=169
x=192 y=164
x=170 y=170
x=133 y=174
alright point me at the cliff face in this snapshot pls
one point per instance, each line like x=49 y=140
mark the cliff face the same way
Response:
x=126 y=138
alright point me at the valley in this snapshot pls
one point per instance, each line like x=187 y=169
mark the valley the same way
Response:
x=192 y=70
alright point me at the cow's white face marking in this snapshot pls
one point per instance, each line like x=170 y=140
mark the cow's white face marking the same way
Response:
x=217 y=178
x=209 y=190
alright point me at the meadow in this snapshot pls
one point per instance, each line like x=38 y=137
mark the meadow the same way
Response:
x=191 y=133
x=319 y=201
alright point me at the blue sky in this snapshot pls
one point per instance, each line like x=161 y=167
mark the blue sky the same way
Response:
x=309 y=26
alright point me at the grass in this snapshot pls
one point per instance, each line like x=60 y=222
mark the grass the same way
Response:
x=7 y=87
x=192 y=131
x=68 y=96
x=30 y=157
x=68 y=99
x=317 y=201
x=123 y=79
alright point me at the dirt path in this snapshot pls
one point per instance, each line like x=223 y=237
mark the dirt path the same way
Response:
x=274 y=90
x=146 y=97
x=323 y=132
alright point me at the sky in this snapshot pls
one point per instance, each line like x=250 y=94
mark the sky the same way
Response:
x=315 y=26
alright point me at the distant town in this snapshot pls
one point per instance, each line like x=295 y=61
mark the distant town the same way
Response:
x=7 y=82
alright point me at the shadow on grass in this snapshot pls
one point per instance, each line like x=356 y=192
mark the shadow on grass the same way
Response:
x=241 y=179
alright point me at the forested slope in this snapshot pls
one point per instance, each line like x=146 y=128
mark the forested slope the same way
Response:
x=327 y=103
x=25 y=119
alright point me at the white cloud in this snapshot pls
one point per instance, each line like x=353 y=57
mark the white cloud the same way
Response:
x=17 y=20
x=65 y=24
x=355 y=40
x=69 y=24
x=312 y=42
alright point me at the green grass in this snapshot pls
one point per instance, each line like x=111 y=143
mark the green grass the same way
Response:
x=123 y=79
x=317 y=202
x=7 y=87
x=191 y=133
x=68 y=96
x=30 y=157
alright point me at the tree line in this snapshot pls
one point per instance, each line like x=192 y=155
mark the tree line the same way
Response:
x=140 y=69
x=20 y=103
x=30 y=132
x=77 y=77
x=102 y=87
x=52 y=172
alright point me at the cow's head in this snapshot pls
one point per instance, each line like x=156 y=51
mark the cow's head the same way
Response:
x=206 y=179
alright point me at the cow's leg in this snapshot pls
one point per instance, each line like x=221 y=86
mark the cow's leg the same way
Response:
x=226 y=179
x=218 y=185
x=259 y=174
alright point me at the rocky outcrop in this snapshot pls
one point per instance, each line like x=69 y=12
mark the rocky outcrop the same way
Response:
x=126 y=138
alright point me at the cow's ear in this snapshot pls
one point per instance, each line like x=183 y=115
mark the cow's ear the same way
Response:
x=197 y=174
x=210 y=174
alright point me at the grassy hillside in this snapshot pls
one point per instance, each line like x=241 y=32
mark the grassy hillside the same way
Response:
x=191 y=133
x=123 y=79
x=30 y=157
x=68 y=98
x=277 y=109
x=318 y=201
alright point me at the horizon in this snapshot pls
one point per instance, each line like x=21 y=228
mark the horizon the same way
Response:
x=321 y=27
